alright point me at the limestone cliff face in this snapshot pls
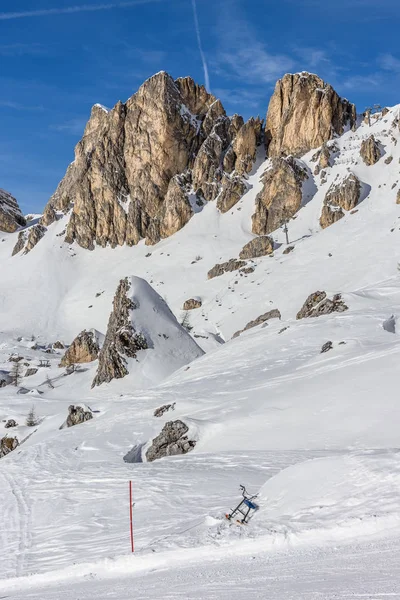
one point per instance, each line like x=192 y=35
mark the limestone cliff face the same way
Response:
x=280 y=197
x=304 y=112
x=11 y=216
x=137 y=164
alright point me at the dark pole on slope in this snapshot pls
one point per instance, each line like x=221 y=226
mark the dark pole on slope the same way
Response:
x=286 y=230
x=131 y=516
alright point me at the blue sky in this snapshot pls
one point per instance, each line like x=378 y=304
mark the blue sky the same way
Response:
x=59 y=57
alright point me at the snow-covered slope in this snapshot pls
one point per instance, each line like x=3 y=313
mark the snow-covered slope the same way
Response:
x=316 y=433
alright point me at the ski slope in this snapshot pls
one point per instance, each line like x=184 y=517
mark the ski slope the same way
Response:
x=315 y=434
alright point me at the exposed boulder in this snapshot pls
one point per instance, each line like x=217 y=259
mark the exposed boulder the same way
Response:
x=330 y=215
x=7 y=445
x=370 y=151
x=31 y=371
x=271 y=314
x=303 y=113
x=192 y=303
x=84 y=349
x=398 y=197
x=58 y=345
x=259 y=246
x=77 y=414
x=171 y=441
x=318 y=304
x=163 y=409
x=11 y=216
x=233 y=188
x=20 y=243
x=142 y=329
x=10 y=423
x=341 y=195
x=280 y=197
x=231 y=265
x=326 y=347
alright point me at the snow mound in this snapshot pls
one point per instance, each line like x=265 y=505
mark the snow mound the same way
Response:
x=147 y=343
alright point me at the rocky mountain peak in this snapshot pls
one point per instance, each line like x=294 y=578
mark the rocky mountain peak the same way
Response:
x=303 y=113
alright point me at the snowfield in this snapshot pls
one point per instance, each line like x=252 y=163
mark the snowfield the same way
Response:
x=315 y=434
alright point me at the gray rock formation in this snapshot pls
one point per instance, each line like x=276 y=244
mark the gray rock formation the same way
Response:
x=271 y=314
x=303 y=113
x=318 y=304
x=171 y=441
x=20 y=243
x=35 y=234
x=83 y=349
x=259 y=246
x=280 y=197
x=191 y=304
x=326 y=347
x=233 y=188
x=163 y=409
x=121 y=341
x=31 y=371
x=370 y=151
x=76 y=415
x=11 y=216
x=135 y=164
x=231 y=265
x=10 y=423
x=343 y=195
x=7 y=445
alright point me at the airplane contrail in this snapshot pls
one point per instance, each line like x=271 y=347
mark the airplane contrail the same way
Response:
x=203 y=58
x=72 y=9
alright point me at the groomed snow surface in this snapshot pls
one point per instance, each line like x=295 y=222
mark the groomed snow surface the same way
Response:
x=317 y=435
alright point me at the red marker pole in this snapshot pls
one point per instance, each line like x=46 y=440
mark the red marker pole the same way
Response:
x=130 y=515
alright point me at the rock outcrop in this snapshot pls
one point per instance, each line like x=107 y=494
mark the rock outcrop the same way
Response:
x=122 y=341
x=233 y=188
x=280 y=197
x=141 y=328
x=10 y=423
x=20 y=243
x=342 y=195
x=271 y=314
x=259 y=246
x=7 y=445
x=192 y=303
x=221 y=268
x=11 y=216
x=84 y=349
x=318 y=304
x=77 y=414
x=303 y=113
x=35 y=234
x=370 y=151
x=136 y=163
x=171 y=441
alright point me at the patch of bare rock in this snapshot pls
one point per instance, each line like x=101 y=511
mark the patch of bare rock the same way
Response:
x=231 y=265
x=344 y=195
x=77 y=414
x=84 y=349
x=192 y=303
x=318 y=304
x=271 y=314
x=259 y=246
x=171 y=441
x=7 y=445
x=370 y=151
